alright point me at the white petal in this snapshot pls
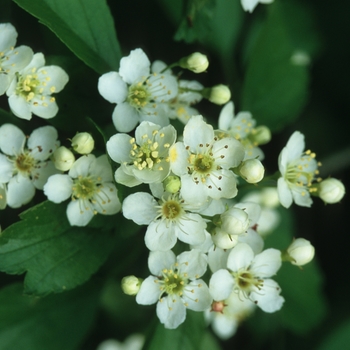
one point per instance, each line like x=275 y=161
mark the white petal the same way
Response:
x=224 y=326
x=119 y=147
x=20 y=190
x=19 y=107
x=8 y=36
x=125 y=117
x=18 y=59
x=178 y=159
x=81 y=166
x=295 y=145
x=191 y=229
x=228 y=152
x=226 y=116
x=135 y=66
x=171 y=311
x=101 y=169
x=221 y=285
x=197 y=132
x=301 y=196
x=253 y=239
x=79 y=213
x=140 y=207
x=112 y=87
x=284 y=193
x=58 y=188
x=221 y=184
x=6 y=169
x=193 y=193
x=193 y=263
x=43 y=106
x=267 y=263
x=157 y=261
x=240 y=257
x=197 y=296
x=107 y=200
x=159 y=236
x=43 y=142
x=58 y=78
x=125 y=179
x=5 y=81
x=149 y=291
x=12 y=139
x=42 y=172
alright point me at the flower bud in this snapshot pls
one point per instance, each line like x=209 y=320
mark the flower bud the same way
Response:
x=223 y=240
x=219 y=94
x=300 y=252
x=63 y=158
x=83 y=143
x=251 y=170
x=260 y=135
x=131 y=285
x=331 y=190
x=197 y=62
x=172 y=184
x=234 y=221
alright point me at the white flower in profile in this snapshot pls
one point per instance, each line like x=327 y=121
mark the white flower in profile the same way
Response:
x=298 y=170
x=139 y=94
x=242 y=128
x=249 y=5
x=24 y=162
x=168 y=220
x=89 y=184
x=12 y=59
x=203 y=162
x=145 y=158
x=31 y=89
x=248 y=276
x=175 y=285
x=226 y=315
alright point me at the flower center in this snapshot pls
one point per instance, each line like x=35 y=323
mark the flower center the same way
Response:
x=27 y=86
x=203 y=163
x=173 y=282
x=24 y=162
x=84 y=187
x=245 y=281
x=138 y=95
x=171 y=209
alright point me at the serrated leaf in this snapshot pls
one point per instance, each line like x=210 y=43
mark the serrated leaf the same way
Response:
x=56 y=256
x=53 y=323
x=275 y=89
x=85 y=26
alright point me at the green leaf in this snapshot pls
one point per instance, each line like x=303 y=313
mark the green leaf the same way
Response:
x=56 y=256
x=275 y=89
x=339 y=339
x=53 y=323
x=85 y=26
x=188 y=336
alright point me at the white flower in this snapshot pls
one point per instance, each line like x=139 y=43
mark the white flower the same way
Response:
x=145 y=158
x=248 y=276
x=168 y=220
x=203 y=162
x=175 y=285
x=24 y=164
x=139 y=94
x=31 y=89
x=331 y=190
x=90 y=185
x=12 y=59
x=242 y=127
x=63 y=158
x=226 y=315
x=298 y=170
x=249 y=5
x=83 y=143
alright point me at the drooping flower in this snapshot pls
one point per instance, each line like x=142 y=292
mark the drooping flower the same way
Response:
x=298 y=171
x=248 y=276
x=139 y=94
x=24 y=163
x=145 y=158
x=203 y=162
x=31 y=89
x=175 y=285
x=89 y=184
x=168 y=220
x=12 y=59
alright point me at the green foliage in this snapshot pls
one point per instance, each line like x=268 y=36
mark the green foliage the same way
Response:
x=53 y=323
x=339 y=339
x=275 y=89
x=56 y=256
x=86 y=27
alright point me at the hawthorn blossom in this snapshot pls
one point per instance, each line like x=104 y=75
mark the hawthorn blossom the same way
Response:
x=248 y=275
x=298 y=170
x=175 y=285
x=203 y=162
x=167 y=220
x=139 y=94
x=89 y=184
x=24 y=162
x=12 y=59
x=31 y=89
x=145 y=158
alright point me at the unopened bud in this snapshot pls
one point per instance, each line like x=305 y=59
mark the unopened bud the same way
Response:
x=197 y=62
x=172 y=184
x=260 y=135
x=234 y=221
x=223 y=240
x=331 y=190
x=131 y=285
x=300 y=252
x=63 y=158
x=219 y=94
x=251 y=170
x=83 y=143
